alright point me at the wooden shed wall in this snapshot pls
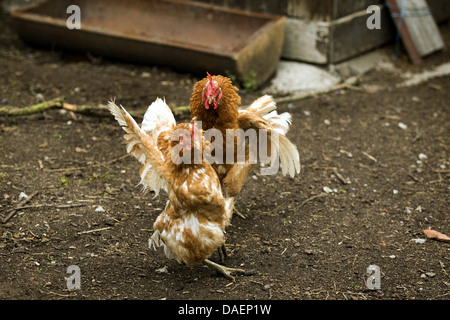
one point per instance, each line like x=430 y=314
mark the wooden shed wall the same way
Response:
x=330 y=31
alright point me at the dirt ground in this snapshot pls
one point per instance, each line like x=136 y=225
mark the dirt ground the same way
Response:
x=297 y=242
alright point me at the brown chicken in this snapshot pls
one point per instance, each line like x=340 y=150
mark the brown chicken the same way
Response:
x=215 y=102
x=191 y=227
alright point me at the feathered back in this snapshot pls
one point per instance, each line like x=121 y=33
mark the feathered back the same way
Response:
x=158 y=118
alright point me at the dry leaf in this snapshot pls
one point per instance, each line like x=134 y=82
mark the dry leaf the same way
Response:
x=433 y=234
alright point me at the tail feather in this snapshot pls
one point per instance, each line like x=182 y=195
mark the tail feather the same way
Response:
x=289 y=157
x=279 y=122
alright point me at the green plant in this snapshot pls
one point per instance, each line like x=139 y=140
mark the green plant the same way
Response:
x=249 y=82
x=64 y=181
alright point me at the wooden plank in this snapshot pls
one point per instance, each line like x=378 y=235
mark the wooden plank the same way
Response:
x=343 y=8
x=418 y=30
x=406 y=37
x=350 y=36
x=266 y=6
x=306 y=40
x=421 y=26
x=319 y=10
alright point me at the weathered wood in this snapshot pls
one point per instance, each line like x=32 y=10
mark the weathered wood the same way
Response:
x=319 y=10
x=351 y=37
x=306 y=40
x=331 y=31
x=266 y=6
x=344 y=8
x=407 y=42
x=418 y=30
x=421 y=26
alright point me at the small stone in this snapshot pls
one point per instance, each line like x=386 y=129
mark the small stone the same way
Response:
x=99 y=209
x=162 y=270
x=408 y=210
x=423 y=156
x=109 y=221
x=430 y=274
x=327 y=190
x=40 y=97
x=22 y=196
x=402 y=126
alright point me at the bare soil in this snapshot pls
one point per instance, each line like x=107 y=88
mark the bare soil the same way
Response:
x=297 y=242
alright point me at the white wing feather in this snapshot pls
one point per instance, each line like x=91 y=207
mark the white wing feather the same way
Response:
x=280 y=123
x=158 y=118
x=151 y=178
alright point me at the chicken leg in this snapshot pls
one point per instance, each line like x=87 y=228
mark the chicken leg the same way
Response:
x=224 y=270
x=222 y=250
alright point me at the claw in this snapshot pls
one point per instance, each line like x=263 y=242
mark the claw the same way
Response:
x=224 y=270
x=238 y=213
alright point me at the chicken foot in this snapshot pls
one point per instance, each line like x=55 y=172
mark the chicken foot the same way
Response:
x=238 y=213
x=224 y=270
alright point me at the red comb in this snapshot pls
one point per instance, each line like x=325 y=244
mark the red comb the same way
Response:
x=211 y=82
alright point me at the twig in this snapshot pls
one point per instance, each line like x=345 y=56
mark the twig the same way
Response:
x=340 y=177
x=59 y=294
x=441 y=170
x=94 y=230
x=58 y=103
x=59 y=206
x=118 y=159
x=37 y=108
x=312 y=198
x=93 y=165
x=370 y=156
x=344 y=85
x=22 y=203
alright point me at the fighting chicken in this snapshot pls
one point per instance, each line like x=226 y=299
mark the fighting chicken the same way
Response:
x=215 y=102
x=191 y=227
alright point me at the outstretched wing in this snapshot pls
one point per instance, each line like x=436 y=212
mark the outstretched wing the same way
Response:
x=262 y=115
x=143 y=147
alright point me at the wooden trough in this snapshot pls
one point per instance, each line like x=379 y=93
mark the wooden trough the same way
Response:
x=184 y=35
